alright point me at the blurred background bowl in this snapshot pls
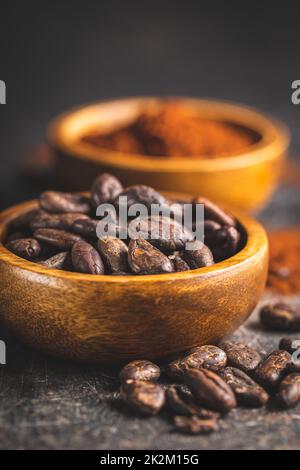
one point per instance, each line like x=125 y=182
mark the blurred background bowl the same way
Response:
x=246 y=180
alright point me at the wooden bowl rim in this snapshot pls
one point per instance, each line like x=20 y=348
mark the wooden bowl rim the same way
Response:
x=274 y=142
x=256 y=243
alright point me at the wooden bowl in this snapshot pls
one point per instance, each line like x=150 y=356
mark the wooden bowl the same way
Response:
x=244 y=181
x=113 y=319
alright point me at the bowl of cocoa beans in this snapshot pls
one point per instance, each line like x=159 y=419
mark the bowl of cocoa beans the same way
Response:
x=120 y=273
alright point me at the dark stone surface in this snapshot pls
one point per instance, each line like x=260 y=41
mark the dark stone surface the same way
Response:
x=48 y=404
x=57 y=54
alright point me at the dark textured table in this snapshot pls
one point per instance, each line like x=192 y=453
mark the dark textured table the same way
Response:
x=57 y=54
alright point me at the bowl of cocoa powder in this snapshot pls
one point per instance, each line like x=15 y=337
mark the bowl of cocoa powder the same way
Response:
x=221 y=150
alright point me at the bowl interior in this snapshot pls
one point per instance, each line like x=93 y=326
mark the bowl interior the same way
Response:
x=248 y=227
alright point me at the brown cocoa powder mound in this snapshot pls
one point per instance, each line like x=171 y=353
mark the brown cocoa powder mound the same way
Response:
x=171 y=130
x=284 y=269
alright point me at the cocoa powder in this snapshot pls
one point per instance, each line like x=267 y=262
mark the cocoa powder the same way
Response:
x=284 y=270
x=171 y=129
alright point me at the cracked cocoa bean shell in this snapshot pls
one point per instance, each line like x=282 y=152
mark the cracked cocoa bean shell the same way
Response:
x=241 y=355
x=143 y=396
x=140 y=370
x=247 y=392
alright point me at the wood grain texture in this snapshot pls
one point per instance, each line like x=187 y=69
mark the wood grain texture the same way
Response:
x=245 y=181
x=117 y=318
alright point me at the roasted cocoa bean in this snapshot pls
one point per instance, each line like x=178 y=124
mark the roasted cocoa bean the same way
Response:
x=105 y=189
x=140 y=370
x=57 y=202
x=146 y=259
x=210 y=390
x=223 y=243
x=198 y=258
x=280 y=317
x=247 y=392
x=86 y=259
x=183 y=404
x=207 y=357
x=27 y=248
x=56 y=221
x=288 y=394
x=290 y=344
x=143 y=396
x=141 y=194
x=214 y=212
x=295 y=362
x=211 y=226
x=195 y=425
x=164 y=233
x=85 y=227
x=114 y=253
x=23 y=220
x=241 y=355
x=272 y=370
x=211 y=357
x=59 y=261
x=179 y=264
x=59 y=239
x=16 y=236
